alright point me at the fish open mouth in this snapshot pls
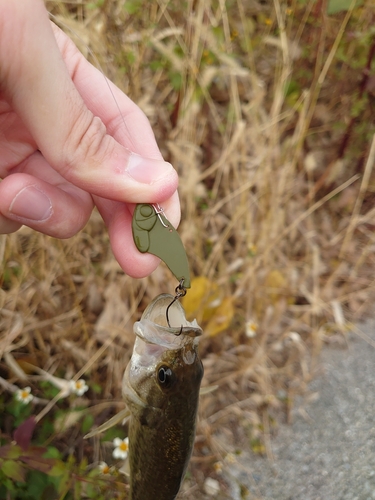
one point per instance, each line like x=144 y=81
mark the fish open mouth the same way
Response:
x=153 y=326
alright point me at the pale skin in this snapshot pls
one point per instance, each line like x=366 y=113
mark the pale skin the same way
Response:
x=64 y=146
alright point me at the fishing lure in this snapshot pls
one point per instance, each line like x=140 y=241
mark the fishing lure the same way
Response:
x=153 y=233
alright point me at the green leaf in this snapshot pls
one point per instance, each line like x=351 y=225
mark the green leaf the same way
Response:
x=176 y=80
x=116 y=431
x=156 y=64
x=65 y=483
x=335 y=6
x=6 y=486
x=13 y=470
x=95 y=5
x=49 y=390
x=58 y=469
x=97 y=388
x=132 y=6
x=38 y=484
x=19 y=410
x=52 y=452
x=87 y=424
x=10 y=451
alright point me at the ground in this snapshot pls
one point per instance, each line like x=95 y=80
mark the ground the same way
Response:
x=328 y=452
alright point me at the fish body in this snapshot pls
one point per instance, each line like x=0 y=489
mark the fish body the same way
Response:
x=161 y=388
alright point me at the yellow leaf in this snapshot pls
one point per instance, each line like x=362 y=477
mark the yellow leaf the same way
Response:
x=202 y=299
x=211 y=303
x=193 y=299
x=221 y=319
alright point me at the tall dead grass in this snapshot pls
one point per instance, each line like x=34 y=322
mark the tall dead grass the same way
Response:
x=270 y=213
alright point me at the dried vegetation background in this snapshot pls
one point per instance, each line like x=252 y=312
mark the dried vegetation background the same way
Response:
x=266 y=111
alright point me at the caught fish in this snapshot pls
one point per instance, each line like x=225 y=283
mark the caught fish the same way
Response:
x=161 y=388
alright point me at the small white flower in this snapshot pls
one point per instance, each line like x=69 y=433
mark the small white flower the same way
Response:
x=211 y=486
x=121 y=448
x=104 y=468
x=79 y=387
x=24 y=395
x=251 y=329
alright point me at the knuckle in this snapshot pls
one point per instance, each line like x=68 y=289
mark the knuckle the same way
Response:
x=66 y=230
x=87 y=139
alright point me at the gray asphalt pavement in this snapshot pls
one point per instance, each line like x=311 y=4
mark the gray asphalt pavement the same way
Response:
x=328 y=453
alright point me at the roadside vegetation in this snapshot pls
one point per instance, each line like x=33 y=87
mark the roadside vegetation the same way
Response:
x=266 y=109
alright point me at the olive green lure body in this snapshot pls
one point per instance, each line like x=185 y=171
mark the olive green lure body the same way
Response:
x=153 y=233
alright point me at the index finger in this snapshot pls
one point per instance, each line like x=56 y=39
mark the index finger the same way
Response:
x=106 y=100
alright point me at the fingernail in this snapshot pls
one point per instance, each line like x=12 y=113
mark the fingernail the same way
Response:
x=31 y=203
x=147 y=170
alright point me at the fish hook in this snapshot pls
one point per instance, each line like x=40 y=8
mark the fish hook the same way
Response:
x=180 y=291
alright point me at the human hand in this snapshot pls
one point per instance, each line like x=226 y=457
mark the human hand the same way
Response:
x=63 y=144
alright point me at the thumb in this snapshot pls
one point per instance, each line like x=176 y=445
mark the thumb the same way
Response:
x=36 y=81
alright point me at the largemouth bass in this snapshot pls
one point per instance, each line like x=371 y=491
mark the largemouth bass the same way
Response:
x=161 y=388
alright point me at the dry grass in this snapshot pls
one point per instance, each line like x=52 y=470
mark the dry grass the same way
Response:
x=273 y=211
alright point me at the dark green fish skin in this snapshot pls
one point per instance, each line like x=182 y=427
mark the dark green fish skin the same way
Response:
x=161 y=388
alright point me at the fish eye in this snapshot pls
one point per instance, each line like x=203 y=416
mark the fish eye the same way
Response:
x=166 y=377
